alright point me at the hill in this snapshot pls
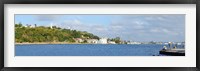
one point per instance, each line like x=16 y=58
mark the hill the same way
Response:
x=48 y=34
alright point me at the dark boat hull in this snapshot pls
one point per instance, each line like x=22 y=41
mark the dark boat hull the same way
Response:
x=172 y=53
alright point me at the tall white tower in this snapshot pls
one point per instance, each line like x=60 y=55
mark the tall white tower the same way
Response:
x=51 y=25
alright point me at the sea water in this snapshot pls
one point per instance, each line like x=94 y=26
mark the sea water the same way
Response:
x=88 y=49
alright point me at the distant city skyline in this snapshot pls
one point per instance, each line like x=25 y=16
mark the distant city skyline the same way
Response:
x=142 y=28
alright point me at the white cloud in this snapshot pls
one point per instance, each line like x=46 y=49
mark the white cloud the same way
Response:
x=139 y=28
x=47 y=17
x=155 y=30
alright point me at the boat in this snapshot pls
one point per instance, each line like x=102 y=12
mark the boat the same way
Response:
x=172 y=51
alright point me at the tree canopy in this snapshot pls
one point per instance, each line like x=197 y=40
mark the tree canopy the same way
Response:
x=48 y=34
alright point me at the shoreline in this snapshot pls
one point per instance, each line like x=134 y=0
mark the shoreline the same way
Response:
x=24 y=43
x=72 y=43
x=51 y=43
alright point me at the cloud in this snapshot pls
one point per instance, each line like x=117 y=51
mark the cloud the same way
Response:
x=151 y=27
x=75 y=24
x=47 y=17
x=135 y=27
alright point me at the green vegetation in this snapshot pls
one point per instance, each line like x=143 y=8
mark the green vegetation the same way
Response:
x=116 y=40
x=48 y=34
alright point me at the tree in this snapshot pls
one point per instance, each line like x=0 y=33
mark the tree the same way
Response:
x=18 y=25
x=116 y=40
x=45 y=34
x=85 y=41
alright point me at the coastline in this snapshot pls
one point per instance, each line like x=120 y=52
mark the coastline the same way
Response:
x=49 y=43
x=27 y=43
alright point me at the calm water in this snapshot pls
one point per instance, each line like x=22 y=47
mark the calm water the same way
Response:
x=87 y=50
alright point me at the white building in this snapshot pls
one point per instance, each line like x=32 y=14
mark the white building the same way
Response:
x=103 y=41
x=134 y=43
x=111 y=42
x=92 y=41
x=32 y=26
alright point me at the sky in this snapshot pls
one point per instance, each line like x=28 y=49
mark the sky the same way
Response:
x=134 y=27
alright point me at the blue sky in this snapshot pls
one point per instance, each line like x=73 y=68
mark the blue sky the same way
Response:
x=127 y=27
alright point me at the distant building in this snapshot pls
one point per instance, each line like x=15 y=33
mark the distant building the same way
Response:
x=103 y=41
x=92 y=41
x=27 y=25
x=30 y=26
x=134 y=43
x=111 y=42
x=79 y=40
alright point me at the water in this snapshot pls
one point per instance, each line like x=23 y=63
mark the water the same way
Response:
x=87 y=50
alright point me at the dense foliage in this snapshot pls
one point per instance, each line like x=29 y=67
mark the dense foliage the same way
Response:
x=48 y=34
x=116 y=40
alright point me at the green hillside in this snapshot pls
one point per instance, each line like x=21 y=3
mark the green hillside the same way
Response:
x=48 y=34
